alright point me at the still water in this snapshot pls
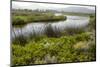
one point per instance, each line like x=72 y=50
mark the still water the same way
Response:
x=38 y=29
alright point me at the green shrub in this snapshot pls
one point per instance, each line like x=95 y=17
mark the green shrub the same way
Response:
x=54 y=50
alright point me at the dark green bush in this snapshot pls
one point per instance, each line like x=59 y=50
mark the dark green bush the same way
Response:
x=16 y=21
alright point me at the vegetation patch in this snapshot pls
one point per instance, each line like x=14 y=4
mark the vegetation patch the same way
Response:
x=21 y=19
x=55 y=50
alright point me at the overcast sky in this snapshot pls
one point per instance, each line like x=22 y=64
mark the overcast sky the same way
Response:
x=31 y=5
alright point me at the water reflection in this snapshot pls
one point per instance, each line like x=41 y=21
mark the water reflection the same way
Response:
x=40 y=28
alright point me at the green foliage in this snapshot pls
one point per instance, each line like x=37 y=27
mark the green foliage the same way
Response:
x=92 y=22
x=54 y=50
x=20 y=19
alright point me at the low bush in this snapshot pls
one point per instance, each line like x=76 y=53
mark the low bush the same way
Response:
x=54 y=50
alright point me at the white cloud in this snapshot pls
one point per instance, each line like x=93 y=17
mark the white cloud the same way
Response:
x=32 y=5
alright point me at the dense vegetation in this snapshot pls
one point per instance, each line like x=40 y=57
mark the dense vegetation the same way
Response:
x=80 y=47
x=70 y=46
x=92 y=24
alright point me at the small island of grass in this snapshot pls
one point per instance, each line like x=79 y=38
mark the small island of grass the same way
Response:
x=24 y=18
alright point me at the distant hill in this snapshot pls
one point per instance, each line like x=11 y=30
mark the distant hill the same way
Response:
x=70 y=9
x=77 y=10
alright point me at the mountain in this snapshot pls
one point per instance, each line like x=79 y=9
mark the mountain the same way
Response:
x=77 y=10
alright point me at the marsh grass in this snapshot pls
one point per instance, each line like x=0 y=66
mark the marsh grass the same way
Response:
x=73 y=45
x=31 y=18
x=54 y=50
x=92 y=24
x=22 y=39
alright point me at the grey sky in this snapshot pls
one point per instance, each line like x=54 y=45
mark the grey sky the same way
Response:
x=31 y=5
